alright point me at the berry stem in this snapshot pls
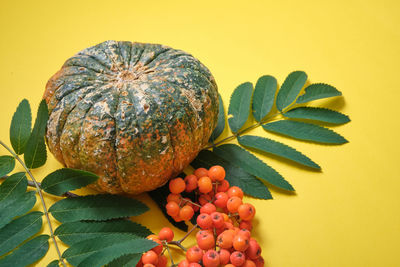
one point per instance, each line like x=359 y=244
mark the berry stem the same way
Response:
x=169 y=253
x=189 y=201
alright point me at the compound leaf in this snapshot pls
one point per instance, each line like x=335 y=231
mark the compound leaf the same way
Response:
x=290 y=89
x=317 y=91
x=317 y=114
x=264 y=96
x=20 y=128
x=239 y=106
x=7 y=165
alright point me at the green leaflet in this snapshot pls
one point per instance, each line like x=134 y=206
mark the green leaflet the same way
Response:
x=54 y=263
x=64 y=180
x=264 y=96
x=125 y=261
x=35 y=151
x=318 y=91
x=14 y=206
x=317 y=114
x=305 y=131
x=103 y=250
x=290 y=89
x=276 y=148
x=221 y=121
x=7 y=165
x=96 y=207
x=73 y=232
x=19 y=230
x=234 y=174
x=251 y=164
x=13 y=186
x=28 y=253
x=20 y=128
x=239 y=106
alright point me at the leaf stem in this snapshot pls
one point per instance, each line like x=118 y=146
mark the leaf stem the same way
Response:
x=39 y=190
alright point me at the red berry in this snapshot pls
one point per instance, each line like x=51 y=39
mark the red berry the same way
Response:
x=204 y=221
x=172 y=208
x=211 y=258
x=249 y=263
x=233 y=204
x=177 y=185
x=204 y=199
x=183 y=263
x=194 y=254
x=245 y=233
x=149 y=265
x=194 y=264
x=246 y=211
x=166 y=234
x=223 y=186
x=150 y=257
x=240 y=242
x=221 y=199
x=205 y=185
x=205 y=241
x=201 y=172
x=174 y=197
x=224 y=256
x=237 y=258
x=162 y=261
x=259 y=262
x=216 y=173
x=235 y=191
x=229 y=265
x=217 y=219
x=208 y=208
x=246 y=225
x=225 y=239
x=158 y=249
x=254 y=250
x=191 y=182
x=186 y=213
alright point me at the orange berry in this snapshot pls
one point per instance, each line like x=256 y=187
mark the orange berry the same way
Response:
x=249 y=263
x=204 y=221
x=162 y=261
x=203 y=199
x=246 y=225
x=166 y=234
x=149 y=265
x=205 y=185
x=237 y=258
x=224 y=256
x=216 y=173
x=177 y=218
x=201 y=172
x=229 y=265
x=194 y=264
x=228 y=226
x=211 y=258
x=223 y=186
x=240 y=242
x=174 y=198
x=233 y=204
x=186 y=213
x=158 y=249
x=172 y=208
x=177 y=185
x=259 y=262
x=208 y=208
x=217 y=219
x=205 y=241
x=191 y=183
x=194 y=254
x=183 y=263
x=226 y=217
x=225 y=240
x=235 y=191
x=150 y=257
x=254 y=250
x=246 y=211
x=221 y=199
x=245 y=233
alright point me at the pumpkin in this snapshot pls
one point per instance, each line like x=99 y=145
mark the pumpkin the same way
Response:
x=136 y=114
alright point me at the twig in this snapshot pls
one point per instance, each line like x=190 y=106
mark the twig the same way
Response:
x=170 y=255
x=39 y=190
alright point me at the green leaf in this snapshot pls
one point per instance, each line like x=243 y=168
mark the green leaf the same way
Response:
x=73 y=232
x=19 y=230
x=64 y=180
x=276 y=148
x=305 y=131
x=97 y=208
x=317 y=114
x=35 y=152
x=264 y=96
x=13 y=186
x=239 y=106
x=14 y=206
x=318 y=91
x=128 y=260
x=100 y=251
x=221 y=121
x=290 y=89
x=20 y=129
x=7 y=165
x=251 y=164
x=28 y=253
x=234 y=174
x=54 y=263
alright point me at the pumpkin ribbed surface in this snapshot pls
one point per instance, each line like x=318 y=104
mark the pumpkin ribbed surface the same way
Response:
x=136 y=114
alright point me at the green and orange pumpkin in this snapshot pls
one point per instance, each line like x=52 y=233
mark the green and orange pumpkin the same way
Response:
x=136 y=114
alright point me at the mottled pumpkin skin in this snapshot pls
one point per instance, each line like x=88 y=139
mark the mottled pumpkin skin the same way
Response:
x=136 y=114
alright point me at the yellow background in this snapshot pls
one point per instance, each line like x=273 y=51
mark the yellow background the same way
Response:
x=348 y=215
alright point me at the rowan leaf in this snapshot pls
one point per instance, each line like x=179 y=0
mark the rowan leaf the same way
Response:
x=7 y=165
x=251 y=164
x=28 y=253
x=127 y=260
x=264 y=96
x=54 y=263
x=13 y=186
x=305 y=131
x=64 y=180
x=317 y=91
x=317 y=114
x=96 y=207
x=235 y=175
x=276 y=148
x=221 y=121
x=14 y=206
x=74 y=232
x=35 y=151
x=103 y=250
x=20 y=128
x=239 y=106
x=19 y=230
x=290 y=89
